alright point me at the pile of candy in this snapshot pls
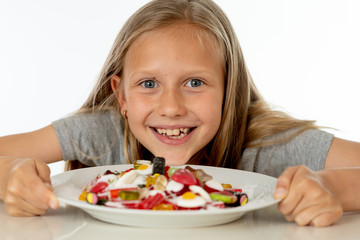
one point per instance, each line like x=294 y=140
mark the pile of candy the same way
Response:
x=152 y=185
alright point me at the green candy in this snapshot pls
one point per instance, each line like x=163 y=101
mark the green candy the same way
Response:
x=129 y=195
x=171 y=171
x=223 y=196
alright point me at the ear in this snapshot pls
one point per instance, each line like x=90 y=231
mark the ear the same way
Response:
x=118 y=88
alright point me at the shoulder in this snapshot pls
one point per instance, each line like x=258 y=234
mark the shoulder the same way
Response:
x=308 y=148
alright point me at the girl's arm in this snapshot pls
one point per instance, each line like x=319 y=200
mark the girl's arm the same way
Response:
x=319 y=198
x=25 y=184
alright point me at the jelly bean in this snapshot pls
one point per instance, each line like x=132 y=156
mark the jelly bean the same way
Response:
x=159 y=165
x=129 y=195
x=184 y=176
x=98 y=187
x=223 y=196
x=92 y=198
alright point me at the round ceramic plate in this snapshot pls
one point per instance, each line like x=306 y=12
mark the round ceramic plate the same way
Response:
x=68 y=186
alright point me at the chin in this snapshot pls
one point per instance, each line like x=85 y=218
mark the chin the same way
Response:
x=174 y=160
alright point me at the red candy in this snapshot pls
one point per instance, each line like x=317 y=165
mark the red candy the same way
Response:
x=184 y=176
x=98 y=187
x=151 y=201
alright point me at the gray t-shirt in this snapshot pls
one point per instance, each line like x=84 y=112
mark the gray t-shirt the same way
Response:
x=97 y=138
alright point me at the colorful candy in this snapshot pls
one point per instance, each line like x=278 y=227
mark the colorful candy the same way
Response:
x=184 y=176
x=159 y=165
x=150 y=185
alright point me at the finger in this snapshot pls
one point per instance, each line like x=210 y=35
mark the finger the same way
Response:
x=325 y=219
x=288 y=206
x=32 y=189
x=43 y=171
x=318 y=215
x=18 y=207
x=283 y=183
x=28 y=190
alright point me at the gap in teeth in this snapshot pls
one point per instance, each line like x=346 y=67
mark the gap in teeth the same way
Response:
x=176 y=133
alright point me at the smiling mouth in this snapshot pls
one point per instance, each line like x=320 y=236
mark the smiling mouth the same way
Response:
x=176 y=133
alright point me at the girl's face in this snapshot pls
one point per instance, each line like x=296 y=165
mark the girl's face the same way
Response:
x=172 y=88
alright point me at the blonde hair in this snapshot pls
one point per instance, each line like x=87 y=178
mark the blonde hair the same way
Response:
x=246 y=117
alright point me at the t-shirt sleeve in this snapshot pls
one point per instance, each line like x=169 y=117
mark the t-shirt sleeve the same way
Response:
x=94 y=138
x=309 y=148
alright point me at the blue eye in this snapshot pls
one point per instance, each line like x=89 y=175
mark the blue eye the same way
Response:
x=149 y=84
x=194 y=83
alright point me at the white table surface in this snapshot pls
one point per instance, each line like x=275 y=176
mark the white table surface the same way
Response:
x=72 y=223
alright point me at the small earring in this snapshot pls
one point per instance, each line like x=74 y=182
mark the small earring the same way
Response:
x=125 y=114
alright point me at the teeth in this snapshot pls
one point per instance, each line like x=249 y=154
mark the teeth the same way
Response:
x=176 y=133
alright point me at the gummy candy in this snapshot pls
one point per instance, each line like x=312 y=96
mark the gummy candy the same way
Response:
x=151 y=201
x=141 y=162
x=98 y=187
x=213 y=186
x=171 y=171
x=223 y=196
x=226 y=185
x=129 y=195
x=160 y=183
x=200 y=174
x=82 y=196
x=184 y=176
x=159 y=165
x=164 y=206
x=138 y=188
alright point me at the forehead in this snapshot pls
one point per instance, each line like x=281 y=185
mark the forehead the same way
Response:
x=181 y=34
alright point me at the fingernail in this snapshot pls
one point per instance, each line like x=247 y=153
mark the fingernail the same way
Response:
x=280 y=192
x=53 y=203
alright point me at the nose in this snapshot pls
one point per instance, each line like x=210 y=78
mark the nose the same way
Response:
x=171 y=104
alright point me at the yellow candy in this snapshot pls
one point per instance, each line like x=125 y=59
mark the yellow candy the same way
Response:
x=143 y=167
x=160 y=183
x=150 y=180
x=189 y=195
x=226 y=185
x=82 y=196
x=163 y=206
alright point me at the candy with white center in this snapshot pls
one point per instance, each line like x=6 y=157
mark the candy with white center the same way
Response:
x=125 y=179
x=190 y=200
x=213 y=186
x=144 y=169
x=175 y=187
x=201 y=192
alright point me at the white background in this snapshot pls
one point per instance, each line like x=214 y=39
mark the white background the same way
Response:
x=303 y=55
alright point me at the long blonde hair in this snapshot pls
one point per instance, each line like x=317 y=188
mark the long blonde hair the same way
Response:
x=246 y=117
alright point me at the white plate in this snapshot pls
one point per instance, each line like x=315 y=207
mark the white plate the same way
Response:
x=68 y=186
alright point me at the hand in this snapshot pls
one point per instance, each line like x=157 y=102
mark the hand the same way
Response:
x=26 y=187
x=306 y=198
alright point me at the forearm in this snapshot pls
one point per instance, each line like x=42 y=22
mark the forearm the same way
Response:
x=345 y=184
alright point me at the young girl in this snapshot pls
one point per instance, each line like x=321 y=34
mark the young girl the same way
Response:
x=175 y=85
